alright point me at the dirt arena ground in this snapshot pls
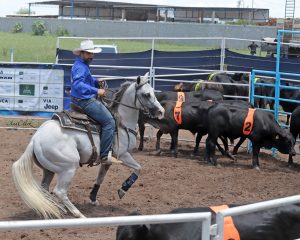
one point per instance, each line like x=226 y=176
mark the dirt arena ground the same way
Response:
x=164 y=184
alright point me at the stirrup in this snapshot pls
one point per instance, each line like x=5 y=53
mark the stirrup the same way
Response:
x=109 y=160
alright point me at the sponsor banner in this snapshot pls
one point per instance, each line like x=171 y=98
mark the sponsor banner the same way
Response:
x=7 y=103
x=51 y=90
x=34 y=89
x=7 y=75
x=27 y=75
x=51 y=76
x=7 y=89
x=26 y=104
x=27 y=89
x=51 y=104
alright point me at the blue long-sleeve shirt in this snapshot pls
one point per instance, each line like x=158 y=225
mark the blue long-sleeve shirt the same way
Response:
x=84 y=86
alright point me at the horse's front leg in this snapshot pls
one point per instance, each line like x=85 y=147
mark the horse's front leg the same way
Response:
x=128 y=160
x=142 y=132
x=101 y=175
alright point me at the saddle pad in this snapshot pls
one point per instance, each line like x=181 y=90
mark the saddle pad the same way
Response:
x=177 y=108
x=67 y=122
x=249 y=121
x=230 y=231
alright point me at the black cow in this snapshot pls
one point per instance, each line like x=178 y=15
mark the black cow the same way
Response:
x=203 y=95
x=228 y=121
x=193 y=119
x=269 y=91
x=294 y=129
x=197 y=86
x=281 y=223
x=263 y=90
x=186 y=86
x=222 y=82
x=189 y=97
x=292 y=94
x=240 y=77
x=228 y=87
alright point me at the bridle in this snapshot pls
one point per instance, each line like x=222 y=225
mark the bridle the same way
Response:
x=143 y=108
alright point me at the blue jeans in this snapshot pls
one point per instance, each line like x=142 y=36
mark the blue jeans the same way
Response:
x=96 y=110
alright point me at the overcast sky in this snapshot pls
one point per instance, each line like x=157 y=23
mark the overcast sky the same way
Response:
x=276 y=6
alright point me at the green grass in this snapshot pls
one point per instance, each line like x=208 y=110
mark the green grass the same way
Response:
x=27 y=47
x=30 y=48
x=127 y=46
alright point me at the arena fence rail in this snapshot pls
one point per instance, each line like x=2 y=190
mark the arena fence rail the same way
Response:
x=205 y=218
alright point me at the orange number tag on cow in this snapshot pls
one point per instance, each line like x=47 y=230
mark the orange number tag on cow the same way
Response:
x=230 y=231
x=248 y=123
x=177 y=109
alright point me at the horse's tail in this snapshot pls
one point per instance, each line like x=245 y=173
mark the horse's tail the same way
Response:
x=34 y=195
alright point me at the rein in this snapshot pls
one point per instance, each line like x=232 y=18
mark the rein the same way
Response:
x=110 y=100
x=126 y=105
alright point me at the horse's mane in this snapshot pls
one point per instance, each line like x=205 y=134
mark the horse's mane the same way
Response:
x=284 y=225
x=117 y=97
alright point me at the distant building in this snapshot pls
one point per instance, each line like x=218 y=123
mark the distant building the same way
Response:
x=106 y=10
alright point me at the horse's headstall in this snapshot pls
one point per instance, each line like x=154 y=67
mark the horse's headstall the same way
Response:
x=138 y=86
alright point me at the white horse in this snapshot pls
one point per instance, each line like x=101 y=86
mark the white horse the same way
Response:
x=60 y=151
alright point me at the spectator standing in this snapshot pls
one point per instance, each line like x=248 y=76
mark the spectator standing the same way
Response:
x=252 y=47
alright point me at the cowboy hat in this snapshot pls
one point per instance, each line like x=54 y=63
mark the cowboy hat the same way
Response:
x=87 y=46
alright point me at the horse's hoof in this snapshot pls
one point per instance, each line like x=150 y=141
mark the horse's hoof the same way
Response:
x=79 y=215
x=140 y=148
x=256 y=168
x=156 y=152
x=121 y=193
x=174 y=154
x=218 y=165
x=94 y=203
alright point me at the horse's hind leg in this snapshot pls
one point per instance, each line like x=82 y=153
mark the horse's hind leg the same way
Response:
x=47 y=178
x=61 y=190
x=101 y=174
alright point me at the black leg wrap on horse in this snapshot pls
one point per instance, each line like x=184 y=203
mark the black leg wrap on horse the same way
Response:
x=93 y=194
x=129 y=181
